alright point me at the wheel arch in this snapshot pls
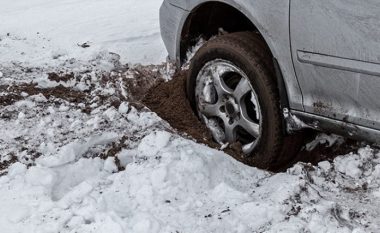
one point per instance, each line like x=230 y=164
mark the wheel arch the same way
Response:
x=204 y=20
x=219 y=13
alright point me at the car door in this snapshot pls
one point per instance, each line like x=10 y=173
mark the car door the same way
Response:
x=336 y=54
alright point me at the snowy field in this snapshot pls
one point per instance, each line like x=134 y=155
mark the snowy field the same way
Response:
x=79 y=154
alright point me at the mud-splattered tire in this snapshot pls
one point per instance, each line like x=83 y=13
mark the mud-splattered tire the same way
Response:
x=273 y=148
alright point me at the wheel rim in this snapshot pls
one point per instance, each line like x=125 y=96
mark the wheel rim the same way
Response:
x=228 y=104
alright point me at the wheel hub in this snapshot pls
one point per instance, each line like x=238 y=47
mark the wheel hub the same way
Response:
x=224 y=95
x=231 y=108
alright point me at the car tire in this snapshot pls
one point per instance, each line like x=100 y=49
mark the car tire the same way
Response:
x=230 y=59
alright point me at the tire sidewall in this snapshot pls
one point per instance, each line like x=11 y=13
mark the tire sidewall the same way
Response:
x=258 y=77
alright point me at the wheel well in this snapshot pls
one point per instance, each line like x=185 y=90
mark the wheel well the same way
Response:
x=206 y=20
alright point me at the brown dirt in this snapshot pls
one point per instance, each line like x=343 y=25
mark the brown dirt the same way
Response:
x=144 y=78
x=61 y=92
x=60 y=77
x=5 y=164
x=9 y=99
x=169 y=101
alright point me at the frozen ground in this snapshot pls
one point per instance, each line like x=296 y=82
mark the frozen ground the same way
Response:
x=80 y=154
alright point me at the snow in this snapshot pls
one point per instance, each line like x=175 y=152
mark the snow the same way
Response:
x=183 y=187
x=123 y=169
x=173 y=184
x=45 y=32
x=109 y=165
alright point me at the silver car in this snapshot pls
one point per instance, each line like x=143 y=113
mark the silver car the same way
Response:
x=270 y=68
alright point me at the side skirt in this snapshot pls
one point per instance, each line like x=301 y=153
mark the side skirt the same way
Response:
x=337 y=127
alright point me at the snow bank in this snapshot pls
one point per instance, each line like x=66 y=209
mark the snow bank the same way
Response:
x=171 y=184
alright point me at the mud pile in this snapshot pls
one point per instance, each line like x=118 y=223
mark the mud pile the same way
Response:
x=169 y=101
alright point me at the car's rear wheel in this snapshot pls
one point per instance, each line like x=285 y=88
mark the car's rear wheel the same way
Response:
x=232 y=88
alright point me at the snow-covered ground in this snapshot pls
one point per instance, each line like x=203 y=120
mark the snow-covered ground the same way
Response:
x=40 y=32
x=89 y=160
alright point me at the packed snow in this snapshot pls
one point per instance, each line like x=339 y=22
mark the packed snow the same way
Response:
x=94 y=161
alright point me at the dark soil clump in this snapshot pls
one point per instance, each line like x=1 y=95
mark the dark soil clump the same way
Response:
x=9 y=99
x=5 y=164
x=60 y=77
x=60 y=92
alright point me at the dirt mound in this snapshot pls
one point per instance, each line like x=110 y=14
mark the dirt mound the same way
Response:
x=169 y=101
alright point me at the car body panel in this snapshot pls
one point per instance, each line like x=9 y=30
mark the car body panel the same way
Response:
x=328 y=53
x=172 y=19
x=271 y=17
x=337 y=58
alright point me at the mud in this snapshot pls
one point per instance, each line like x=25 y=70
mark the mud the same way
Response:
x=58 y=77
x=169 y=101
x=140 y=80
x=14 y=93
x=9 y=99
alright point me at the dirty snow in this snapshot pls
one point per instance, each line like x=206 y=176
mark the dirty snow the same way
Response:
x=96 y=162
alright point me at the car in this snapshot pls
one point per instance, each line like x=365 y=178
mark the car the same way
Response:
x=270 y=68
